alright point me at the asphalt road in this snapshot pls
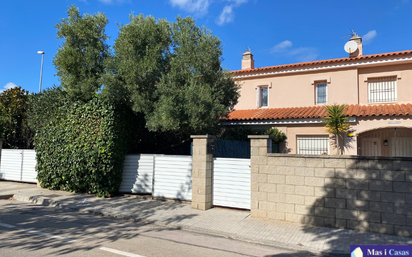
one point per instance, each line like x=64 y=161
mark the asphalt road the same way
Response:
x=35 y=230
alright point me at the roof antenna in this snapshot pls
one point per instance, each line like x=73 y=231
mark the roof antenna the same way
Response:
x=353 y=34
x=248 y=50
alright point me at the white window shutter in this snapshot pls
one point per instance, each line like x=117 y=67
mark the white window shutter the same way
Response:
x=258 y=97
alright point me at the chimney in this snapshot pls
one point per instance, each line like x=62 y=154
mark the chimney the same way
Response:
x=247 y=61
x=359 y=51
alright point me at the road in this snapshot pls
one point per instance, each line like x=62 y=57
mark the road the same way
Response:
x=35 y=230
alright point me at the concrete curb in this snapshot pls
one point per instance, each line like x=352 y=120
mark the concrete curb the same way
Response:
x=6 y=196
x=49 y=202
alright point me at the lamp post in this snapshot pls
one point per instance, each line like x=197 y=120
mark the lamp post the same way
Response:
x=41 y=70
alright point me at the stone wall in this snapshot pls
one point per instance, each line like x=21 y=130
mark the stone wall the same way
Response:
x=362 y=193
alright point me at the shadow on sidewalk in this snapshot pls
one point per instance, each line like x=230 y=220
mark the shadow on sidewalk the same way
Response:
x=91 y=232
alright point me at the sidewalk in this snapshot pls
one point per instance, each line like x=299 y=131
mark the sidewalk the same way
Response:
x=220 y=222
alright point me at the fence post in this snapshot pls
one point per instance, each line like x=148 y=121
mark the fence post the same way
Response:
x=202 y=172
x=260 y=146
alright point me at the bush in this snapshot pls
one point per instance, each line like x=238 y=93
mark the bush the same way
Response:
x=82 y=147
x=43 y=106
x=241 y=133
x=13 y=119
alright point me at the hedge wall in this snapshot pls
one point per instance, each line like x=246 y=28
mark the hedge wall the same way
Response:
x=82 y=148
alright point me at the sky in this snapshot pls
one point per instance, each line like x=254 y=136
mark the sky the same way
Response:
x=277 y=31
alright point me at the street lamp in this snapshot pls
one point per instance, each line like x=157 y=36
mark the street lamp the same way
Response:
x=41 y=71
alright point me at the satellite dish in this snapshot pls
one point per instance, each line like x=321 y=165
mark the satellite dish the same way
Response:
x=351 y=47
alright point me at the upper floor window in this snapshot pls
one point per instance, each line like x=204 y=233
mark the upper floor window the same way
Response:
x=381 y=90
x=321 y=93
x=262 y=96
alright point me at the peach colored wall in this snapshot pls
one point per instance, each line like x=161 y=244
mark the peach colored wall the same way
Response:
x=350 y=148
x=297 y=90
x=404 y=83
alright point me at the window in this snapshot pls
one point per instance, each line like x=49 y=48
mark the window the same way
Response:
x=262 y=96
x=381 y=90
x=321 y=93
x=315 y=145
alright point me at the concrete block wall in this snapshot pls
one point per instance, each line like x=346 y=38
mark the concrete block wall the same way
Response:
x=361 y=193
x=202 y=173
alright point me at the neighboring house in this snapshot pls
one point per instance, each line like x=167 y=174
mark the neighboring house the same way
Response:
x=376 y=88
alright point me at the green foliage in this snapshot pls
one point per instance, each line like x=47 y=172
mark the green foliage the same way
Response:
x=80 y=60
x=173 y=73
x=44 y=105
x=82 y=148
x=13 y=118
x=336 y=122
x=141 y=54
x=241 y=133
x=278 y=137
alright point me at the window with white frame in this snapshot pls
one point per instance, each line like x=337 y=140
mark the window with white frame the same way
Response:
x=381 y=90
x=315 y=145
x=321 y=93
x=262 y=96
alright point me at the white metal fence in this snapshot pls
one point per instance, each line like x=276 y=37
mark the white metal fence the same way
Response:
x=231 y=183
x=18 y=165
x=137 y=174
x=168 y=176
x=173 y=177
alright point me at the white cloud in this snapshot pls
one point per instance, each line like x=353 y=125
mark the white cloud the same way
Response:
x=300 y=54
x=198 y=7
x=368 y=37
x=304 y=54
x=226 y=15
x=282 y=46
x=8 y=86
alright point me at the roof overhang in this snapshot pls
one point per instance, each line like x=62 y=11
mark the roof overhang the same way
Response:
x=278 y=122
x=366 y=63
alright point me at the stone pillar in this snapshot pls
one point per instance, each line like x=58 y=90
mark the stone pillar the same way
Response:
x=202 y=173
x=260 y=146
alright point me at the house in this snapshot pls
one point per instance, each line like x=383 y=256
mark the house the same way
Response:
x=377 y=90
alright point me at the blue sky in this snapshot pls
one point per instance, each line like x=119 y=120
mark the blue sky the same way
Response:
x=277 y=31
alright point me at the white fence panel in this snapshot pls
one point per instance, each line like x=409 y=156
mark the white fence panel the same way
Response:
x=29 y=173
x=19 y=165
x=231 y=183
x=173 y=177
x=137 y=173
x=11 y=160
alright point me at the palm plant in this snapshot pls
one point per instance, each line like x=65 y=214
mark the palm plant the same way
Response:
x=336 y=121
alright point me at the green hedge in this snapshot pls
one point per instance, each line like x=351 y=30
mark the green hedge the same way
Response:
x=82 y=148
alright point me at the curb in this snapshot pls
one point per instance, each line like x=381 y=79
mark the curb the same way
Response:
x=48 y=202
x=5 y=197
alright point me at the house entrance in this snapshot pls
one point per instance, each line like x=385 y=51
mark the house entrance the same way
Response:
x=386 y=142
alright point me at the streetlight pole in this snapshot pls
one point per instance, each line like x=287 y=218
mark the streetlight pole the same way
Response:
x=41 y=70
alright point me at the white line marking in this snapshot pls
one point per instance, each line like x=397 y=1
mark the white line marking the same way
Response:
x=7 y=225
x=120 y=252
x=39 y=233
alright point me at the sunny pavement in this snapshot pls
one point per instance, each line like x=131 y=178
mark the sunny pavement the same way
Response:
x=217 y=221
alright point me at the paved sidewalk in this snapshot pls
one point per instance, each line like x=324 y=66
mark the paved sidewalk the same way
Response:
x=220 y=222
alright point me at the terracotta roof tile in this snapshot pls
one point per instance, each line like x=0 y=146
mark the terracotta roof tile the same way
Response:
x=338 y=60
x=316 y=112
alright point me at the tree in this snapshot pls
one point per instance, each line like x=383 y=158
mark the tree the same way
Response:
x=141 y=56
x=173 y=74
x=80 y=60
x=336 y=121
x=13 y=118
x=196 y=91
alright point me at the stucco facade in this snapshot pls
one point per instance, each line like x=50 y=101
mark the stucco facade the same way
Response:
x=294 y=88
